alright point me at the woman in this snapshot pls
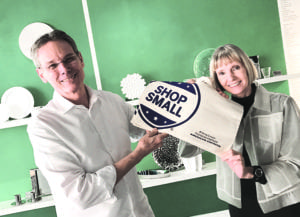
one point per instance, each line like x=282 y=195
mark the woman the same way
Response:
x=260 y=175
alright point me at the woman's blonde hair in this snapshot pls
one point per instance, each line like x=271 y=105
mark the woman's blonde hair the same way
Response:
x=229 y=53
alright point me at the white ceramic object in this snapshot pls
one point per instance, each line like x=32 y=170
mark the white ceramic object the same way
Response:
x=19 y=101
x=193 y=164
x=30 y=34
x=4 y=113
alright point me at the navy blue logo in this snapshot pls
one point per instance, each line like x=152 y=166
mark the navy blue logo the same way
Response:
x=168 y=104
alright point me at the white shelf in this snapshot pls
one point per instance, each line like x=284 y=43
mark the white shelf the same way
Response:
x=224 y=213
x=17 y=122
x=278 y=78
x=177 y=176
x=181 y=175
x=14 y=123
x=6 y=208
x=133 y=102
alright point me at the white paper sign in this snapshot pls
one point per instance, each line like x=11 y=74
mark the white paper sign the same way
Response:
x=194 y=113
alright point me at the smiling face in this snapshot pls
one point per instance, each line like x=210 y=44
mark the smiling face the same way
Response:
x=233 y=77
x=62 y=68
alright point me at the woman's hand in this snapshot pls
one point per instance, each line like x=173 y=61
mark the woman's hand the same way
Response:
x=191 y=81
x=209 y=82
x=236 y=162
x=222 y=93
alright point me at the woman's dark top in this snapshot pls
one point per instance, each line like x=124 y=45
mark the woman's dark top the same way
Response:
x=248 y=187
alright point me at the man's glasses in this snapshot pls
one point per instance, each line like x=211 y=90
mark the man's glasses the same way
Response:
x=67 y=61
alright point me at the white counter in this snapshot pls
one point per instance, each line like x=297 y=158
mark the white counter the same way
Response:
x=224 y=213
x=176 y=176
x=6 y=207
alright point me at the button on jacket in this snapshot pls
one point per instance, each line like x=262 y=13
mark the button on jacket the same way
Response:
x=271 y=134
x=75 y=148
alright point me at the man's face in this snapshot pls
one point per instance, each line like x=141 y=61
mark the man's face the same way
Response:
x=61 y=67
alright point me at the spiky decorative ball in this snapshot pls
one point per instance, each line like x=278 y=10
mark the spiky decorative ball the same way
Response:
x=167 y=156
x=133 y=86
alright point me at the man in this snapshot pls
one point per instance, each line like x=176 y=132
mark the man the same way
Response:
x=81 y=139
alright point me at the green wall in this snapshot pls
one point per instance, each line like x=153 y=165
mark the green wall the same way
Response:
x=158 y=39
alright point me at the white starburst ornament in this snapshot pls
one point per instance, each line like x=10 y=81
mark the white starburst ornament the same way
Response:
x=133 y=86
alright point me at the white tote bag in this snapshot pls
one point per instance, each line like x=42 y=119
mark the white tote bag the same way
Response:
x=194 y=113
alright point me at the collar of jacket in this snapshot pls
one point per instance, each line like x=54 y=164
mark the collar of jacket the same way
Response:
x=262 y=98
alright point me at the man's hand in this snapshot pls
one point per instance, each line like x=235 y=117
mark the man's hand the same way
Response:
x=150 y=141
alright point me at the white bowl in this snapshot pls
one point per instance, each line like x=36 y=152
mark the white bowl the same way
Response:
x=4 y=113
x=19 y=101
